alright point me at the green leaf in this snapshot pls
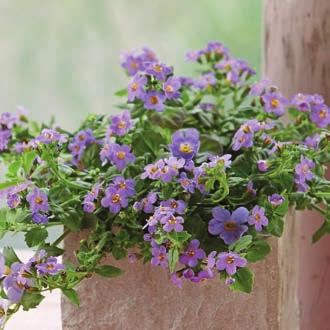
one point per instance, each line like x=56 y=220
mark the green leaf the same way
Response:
x=275 y=226
x=72 y=219
x=257 y=251
x=243 y=280
x=282 y=209
x=121 y=92
x=243 y=243
x=13 y=169
x=36 y=236
x=108 y=271
x=28 y=159
x=31 y=300
x=152 y=144
x=52 y=250
x=173 y=258
x=118 y=252
x=10 y=255
x=72 y=295
x=11 y=183
x=323 y=230
x=178 y=238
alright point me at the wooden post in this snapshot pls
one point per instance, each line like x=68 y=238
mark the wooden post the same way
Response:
x=297 y=59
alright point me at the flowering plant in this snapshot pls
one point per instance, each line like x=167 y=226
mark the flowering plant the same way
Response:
x=194 y=176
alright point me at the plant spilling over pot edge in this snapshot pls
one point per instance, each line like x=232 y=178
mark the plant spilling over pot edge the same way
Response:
x=194 y=176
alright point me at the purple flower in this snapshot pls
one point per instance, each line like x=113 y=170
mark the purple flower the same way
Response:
x=250 y=189
x=14 y=189
x=38 y=201
x=274 y=103
x=151 y=171
x=5 y=136
x=4 y=305
x=147 y=203
x=176 y=280
x=13 y=200
x=211 y=259
x=229 y=226
x=178 y=206
x=207 y=80
x=242 y=140
x=186 y=183
x=154 y=100
x=262 y=165
x=260 y=87
x=48 y=136
x=171 y=88
x=185 y=143
x=303 y=169
x=114 y=200
x=236 y=69
x=276 y=199
x=224 y=160
x=50 y=267
x=320 y=115
x=302 y=102
x=258 y=218
x=207 y=106
x=131 y=63
x=136 y=88
x=192 y=254
x=159 y=256
x=301 y=185
x=312 y=141
x=158 y=70
x=120 y=155
x=172 y=222
x=229 y=261
x=39 y=218
x=17 y=282
x=89 y=207
x=84 y=137
x=124 y=186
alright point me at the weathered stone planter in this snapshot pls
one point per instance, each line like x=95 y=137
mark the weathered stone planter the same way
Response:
x=144 y=298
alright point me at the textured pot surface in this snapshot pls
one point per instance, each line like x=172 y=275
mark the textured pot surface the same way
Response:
x=144 y=298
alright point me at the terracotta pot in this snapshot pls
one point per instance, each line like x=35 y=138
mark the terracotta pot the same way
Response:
x=144 y=298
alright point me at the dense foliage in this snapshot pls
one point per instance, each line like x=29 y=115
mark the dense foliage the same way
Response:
x=194 y=175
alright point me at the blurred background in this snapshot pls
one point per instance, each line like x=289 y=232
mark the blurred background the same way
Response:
x=61 y=58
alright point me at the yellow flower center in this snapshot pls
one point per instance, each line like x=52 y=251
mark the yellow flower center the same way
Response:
x=174 y=205
x=257 y=217
x=134 y=87
x=121 y=155
x=121 y=124
x=169 y=89
x=185 y=147
x=191 y=253
x=230 y=260
x=153 y=99
x=172 y=220
x=230 y=225
x=50 y=267
x=241 y=139
x=275 y=103
x=158 y=68
x=246 y=129
x=38 y=200
x=161 y=257
x=323 y=114
x=116 y=198
x=122 y=185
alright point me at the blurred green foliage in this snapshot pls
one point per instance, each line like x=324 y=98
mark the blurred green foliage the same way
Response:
x=62 y=57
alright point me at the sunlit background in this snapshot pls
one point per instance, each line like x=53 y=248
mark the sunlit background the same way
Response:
x=62 y=57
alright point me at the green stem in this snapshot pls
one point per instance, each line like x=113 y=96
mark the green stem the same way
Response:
x=317 y=208
x=61 y=238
